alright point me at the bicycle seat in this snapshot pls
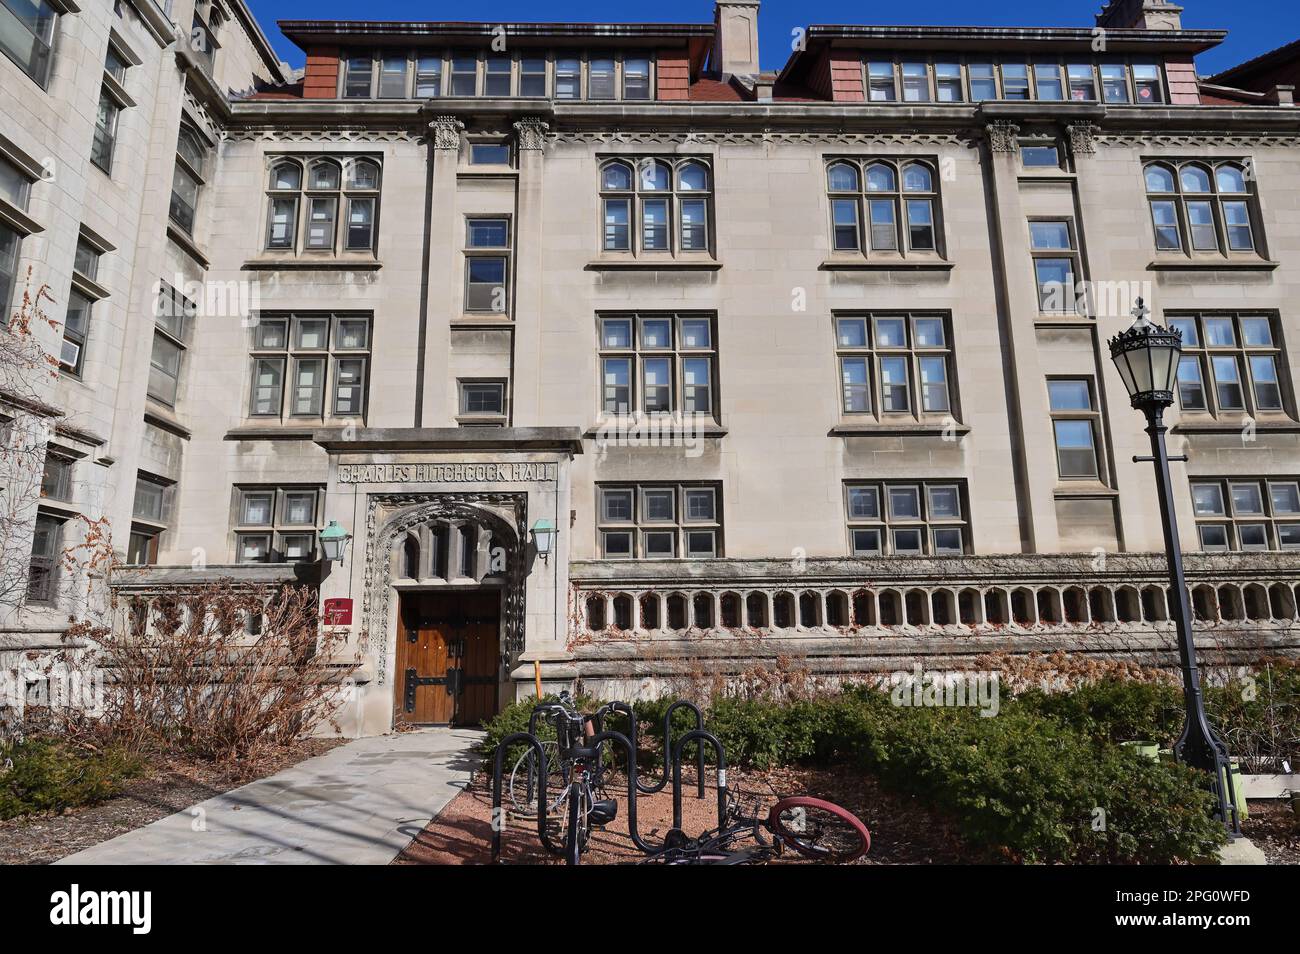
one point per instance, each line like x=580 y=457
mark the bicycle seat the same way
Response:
x=603 y=811
x=583 y=753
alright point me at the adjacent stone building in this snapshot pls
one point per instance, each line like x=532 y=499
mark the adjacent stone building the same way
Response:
x=620 y=358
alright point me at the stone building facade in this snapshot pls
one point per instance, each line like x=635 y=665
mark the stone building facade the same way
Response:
x=620 y=358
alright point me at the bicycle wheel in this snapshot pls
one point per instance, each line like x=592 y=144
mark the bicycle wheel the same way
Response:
x=575 y=834
x=522 y=801
x=819 y=829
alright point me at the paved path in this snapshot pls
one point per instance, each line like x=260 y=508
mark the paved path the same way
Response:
x=360 y=803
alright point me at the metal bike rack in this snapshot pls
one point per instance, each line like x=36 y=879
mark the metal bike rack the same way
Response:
x=498 y=817
x=713 y=742
x=668 y=749
x=537 y=769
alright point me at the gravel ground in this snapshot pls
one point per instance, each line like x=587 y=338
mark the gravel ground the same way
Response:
x=911 y=835
x=168 y=788
x=1275 y=828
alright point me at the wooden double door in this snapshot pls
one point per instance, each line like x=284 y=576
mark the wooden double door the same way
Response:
x=447 y=658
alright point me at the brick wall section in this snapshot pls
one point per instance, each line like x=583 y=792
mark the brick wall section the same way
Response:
x=1183 y=89
x=321 y=79
x=846 y=77
x=674 y=74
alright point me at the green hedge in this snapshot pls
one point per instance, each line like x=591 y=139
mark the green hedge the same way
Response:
x=1042 y=781
x=50 y=775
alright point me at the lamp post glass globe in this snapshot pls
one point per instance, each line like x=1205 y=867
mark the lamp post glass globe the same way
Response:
x=1146 y=356
x=333 y=541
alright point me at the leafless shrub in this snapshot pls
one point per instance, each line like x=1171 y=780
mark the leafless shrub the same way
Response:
x=218 y=671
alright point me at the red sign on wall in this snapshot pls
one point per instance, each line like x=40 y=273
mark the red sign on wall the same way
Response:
x=338 y=612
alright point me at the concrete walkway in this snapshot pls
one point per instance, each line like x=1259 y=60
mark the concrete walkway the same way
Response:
x=358 y=804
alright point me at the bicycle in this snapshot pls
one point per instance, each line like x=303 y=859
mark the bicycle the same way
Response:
x=575 y=771
x=812 y=827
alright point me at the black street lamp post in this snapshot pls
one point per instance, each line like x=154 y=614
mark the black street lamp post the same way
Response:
x=1147 y=358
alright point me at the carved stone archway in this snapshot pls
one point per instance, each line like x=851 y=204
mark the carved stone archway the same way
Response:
x=389 y=517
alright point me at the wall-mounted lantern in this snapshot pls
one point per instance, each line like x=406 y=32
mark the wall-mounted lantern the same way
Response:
x=544 y=537
x=334 y=541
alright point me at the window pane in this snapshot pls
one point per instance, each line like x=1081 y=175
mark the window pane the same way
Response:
x=617 y=377
x=697 y=380
x=1050 y=235
x=1207 y=499
x=392 y=76
x=983 y=85
x=894 y=384
x=1200 y=217
x=257 y=508
x=1191 y=388
x=616 y=333
x=1286 y=497
x=857 y=393
x=488 y=233
x=361 y=215
x=659 y=544
x=489 y=154
x=311 y=333
x=864 y=503
x=945 y=503
x=1015 y=81
x=928 y=332
x=617 y=545
x=701 y=543
x=283 y=223
x=268 y=375
x=700 y=505
x=349 y=385
x=1268 y=393
x=300 y=507
x=657 y=386
x=1165 y=217
x=1039 y=156
x=617 y=232
x=696 y=333
x=842 y=177
x=1257 y=332
x=532 y=76
x=1114 y=82
x=947 y=77
x=852 y=332
x=617 y=504
x=164 y=369
x=916 y=83
x=308 y=386
x=907 y=542
x=844 y=217
x=320 y=222
x=1227 y=384
x=496 y=77
x=891 y=333
x=694 y=225
x=568 y=78
x=880 y=178
x=428 y=76
x=659 y=504
x=934 y=384
x=1213 y=537
x=1074 y=449
x=656 y=333
x=920 y=221
x=1069 y=395
x=464 y=75
x=600 y=79
x=866 y=542
x=1187 y=328
x=636 y=78
x=1237 y=219
x=948 y=540
x=1219 y=333
x=654 y=224
x=1047 y=77
x=356 y=83
x=904 y=503
x=1246 y=499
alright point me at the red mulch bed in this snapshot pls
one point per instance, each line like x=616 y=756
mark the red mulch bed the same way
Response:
x=902 y=832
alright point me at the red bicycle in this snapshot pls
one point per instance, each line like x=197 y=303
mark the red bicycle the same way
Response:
x=812 y=827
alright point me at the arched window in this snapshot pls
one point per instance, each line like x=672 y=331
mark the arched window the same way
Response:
x=661 y=208
x=900 y=216
x=320 y=190
x=1199 y=207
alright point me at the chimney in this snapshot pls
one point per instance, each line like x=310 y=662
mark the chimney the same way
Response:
x=735 y=37
x=1141 y=15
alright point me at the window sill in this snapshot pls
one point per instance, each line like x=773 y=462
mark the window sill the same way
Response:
x=18 y=220
x=1084 y=488
x=88 y=287
x=871 y=428
x=483 y=321
x=487 y=172
x=855 y=263
x=1212 y=426
x=650 y=431
x=1183 y=263
x=324 y=264
x=607 y=263
x=271 y=432
x=187 y=244
x=160 y=416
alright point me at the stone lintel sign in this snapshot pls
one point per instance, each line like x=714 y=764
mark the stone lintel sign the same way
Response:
x=426 y=473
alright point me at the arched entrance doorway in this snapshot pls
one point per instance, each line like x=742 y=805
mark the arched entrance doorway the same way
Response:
x=448 y=569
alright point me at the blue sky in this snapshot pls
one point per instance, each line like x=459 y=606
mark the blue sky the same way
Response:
x=1254 y=25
